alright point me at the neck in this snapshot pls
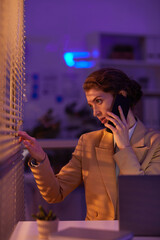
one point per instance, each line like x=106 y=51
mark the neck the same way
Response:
x=131 y=119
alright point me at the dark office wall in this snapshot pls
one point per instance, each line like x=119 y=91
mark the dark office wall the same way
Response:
x=54 y=27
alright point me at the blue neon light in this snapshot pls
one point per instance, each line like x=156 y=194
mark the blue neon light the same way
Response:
x=72 y=59
x=68 y=57
x=81 y=54
x=95 y=53
x=84 y=64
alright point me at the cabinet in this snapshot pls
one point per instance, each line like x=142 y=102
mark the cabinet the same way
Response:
x=139 y=57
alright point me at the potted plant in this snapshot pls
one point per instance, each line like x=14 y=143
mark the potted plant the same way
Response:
x=47 y=222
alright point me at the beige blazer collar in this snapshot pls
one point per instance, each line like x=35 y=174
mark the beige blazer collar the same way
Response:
x=138 y=143
x=137 y=139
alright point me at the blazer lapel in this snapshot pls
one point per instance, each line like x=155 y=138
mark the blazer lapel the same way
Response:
x=106 y=163
x=138 y=141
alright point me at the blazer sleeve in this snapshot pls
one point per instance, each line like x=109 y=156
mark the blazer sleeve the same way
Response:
x=54 y=188
x=142 y=160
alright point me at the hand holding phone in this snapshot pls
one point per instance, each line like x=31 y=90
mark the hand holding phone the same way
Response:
x=122 y=101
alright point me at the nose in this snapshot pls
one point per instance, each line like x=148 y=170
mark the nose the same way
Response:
x=96 y=112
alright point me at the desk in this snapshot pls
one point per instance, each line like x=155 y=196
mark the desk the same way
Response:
x=27 y=230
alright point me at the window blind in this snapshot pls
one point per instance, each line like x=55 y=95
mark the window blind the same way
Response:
x=12 y=93
x=11 y=76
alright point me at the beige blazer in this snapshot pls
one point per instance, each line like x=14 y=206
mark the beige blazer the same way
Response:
x=93 y=162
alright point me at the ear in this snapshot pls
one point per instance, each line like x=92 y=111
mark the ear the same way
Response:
x=123 y=92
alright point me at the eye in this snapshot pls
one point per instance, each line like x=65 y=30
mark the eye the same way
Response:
x=99 y=101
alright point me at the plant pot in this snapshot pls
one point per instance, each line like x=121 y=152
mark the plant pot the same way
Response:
x=45 y=228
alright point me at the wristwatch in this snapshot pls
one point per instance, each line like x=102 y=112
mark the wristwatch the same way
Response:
x=33 y=162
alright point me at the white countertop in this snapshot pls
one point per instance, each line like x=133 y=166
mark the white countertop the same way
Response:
x=27 y=230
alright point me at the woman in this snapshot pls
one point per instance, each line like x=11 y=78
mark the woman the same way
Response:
x=129 y=148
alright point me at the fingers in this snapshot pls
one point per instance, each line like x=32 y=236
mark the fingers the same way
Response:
x=28 y=145
x=116 y=124
x=120 y=123
x=24 y=136
x=116 y=119
x=32 y=145
x=110 y=127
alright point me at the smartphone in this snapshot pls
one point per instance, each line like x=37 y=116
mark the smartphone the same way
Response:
x=122 y=101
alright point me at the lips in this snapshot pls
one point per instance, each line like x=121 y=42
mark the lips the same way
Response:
x=103 y=120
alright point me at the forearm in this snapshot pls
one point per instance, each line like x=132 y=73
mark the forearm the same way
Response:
x=140 y=161
x=54 y=188
x=47 y=182
x=128 y=162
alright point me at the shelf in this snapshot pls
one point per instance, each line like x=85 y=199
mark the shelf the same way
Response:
x=127 y=63
x=151 y=94
x=136 y=48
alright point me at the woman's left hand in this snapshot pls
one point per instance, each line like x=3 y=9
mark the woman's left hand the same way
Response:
x=120 y=131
